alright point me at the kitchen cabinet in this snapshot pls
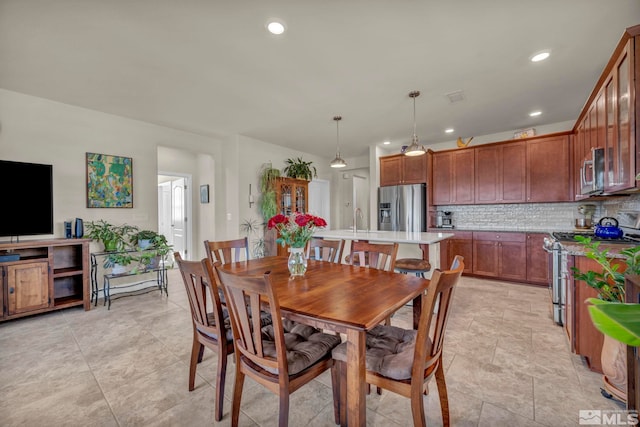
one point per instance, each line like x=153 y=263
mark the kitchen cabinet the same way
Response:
x=538 y=266
x=548 y=171
x=498 y=254
x=453 y=177
x=500 y=173
x=49 y=275
x=400 y=169
x=460 y=244
x=609 y=118
x=621 y=141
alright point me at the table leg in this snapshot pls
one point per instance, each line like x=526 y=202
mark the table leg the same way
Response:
x=356 y=396
x=417 y=310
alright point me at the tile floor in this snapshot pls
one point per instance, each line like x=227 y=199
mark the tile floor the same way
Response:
x=506 y=365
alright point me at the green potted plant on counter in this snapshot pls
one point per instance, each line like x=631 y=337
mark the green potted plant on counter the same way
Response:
x=609 y=282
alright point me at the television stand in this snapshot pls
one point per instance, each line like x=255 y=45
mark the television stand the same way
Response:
x=38 y=276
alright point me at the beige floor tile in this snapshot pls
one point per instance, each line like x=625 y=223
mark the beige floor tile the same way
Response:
x=506 y=364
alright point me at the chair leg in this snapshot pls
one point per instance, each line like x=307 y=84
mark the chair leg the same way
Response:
x=283 y=416
x=442 y=392
x=417 y=407
x=221 y=374
x=196 y=350
x=237 y=398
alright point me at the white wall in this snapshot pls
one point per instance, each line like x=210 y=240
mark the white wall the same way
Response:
x=39 y=130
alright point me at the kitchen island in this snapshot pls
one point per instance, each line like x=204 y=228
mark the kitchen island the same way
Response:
x=408 y=240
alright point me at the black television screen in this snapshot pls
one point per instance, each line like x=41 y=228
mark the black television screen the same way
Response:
x=27 y=194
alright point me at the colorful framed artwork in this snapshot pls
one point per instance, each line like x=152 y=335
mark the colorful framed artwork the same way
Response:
x=204 y=193
x=109 y=181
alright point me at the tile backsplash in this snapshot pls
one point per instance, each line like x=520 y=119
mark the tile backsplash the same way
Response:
x=533 y=216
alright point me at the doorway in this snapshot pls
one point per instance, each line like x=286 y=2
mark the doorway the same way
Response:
x=174 y=211
x=319 y=199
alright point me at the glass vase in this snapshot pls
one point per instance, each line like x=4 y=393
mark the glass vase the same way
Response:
x=297 y=262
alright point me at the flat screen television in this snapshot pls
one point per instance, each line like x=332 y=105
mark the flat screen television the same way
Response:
x=27 y=199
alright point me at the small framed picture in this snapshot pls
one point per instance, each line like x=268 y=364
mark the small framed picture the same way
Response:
x=204 y=193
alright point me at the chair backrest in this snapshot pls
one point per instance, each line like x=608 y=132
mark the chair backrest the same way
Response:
x=325 y=250
x=227 y=251
x=199 y=281
x=381 y=256
x=435 y=308
x=245 y=294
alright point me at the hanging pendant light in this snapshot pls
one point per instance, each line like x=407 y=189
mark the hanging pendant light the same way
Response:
x=414 y=149
x=338 y=162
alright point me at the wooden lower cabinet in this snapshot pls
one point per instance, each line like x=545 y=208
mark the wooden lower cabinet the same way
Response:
x=27 y=287
x=538 y=260
x=460 y=244
x=587 y=339
x=501 y=255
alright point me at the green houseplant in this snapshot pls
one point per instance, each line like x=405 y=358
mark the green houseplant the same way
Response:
x=298 y=168
x=268 y=175
x=142 y=238
x=113 y=237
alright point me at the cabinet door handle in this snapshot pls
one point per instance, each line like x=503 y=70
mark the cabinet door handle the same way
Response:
x=11 y=290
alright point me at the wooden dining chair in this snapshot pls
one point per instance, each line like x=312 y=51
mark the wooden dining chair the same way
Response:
x=210 y=329
x=282 y=356
x=226 y=251
x=381 y=256
x=404 y=360
x=325 y=250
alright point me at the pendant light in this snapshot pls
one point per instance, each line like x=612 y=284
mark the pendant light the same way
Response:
x=414 y=149
x=338 y=162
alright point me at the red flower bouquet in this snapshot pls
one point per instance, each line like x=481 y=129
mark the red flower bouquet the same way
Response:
x=296 y=229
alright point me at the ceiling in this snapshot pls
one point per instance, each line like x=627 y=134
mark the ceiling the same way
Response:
x=210 y=67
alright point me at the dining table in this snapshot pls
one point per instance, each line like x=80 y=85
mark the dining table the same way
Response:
x=346 y=299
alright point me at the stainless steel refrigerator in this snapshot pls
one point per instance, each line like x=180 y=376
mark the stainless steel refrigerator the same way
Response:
x=402 y=208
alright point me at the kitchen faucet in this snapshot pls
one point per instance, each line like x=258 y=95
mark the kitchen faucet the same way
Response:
x=357 y=213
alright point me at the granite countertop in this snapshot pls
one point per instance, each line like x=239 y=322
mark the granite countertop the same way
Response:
x=614 y=248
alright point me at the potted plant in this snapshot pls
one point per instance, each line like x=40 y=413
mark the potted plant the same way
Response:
x=610 y=284
x=113 y=237
x=157 y=251
x=298 y=168
x=268 y=175
x=118 y=261
x=142 y=239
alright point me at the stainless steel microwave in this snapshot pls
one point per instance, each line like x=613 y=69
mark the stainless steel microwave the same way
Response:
x=592 y=173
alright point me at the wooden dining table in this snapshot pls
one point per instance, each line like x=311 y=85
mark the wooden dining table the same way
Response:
x=346 y=299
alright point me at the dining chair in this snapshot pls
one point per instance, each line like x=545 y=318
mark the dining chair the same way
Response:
x=227 y=251
x=282 y=356
x=381 y=256
x=325 y=250
x=404 y=360
x=210 y=329
x=417 y=266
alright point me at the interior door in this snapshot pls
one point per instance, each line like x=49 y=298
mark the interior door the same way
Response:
x=178 y=216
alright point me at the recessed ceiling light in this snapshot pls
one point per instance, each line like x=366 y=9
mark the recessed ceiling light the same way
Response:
x=275 y=27
x=535 y=113
x=450 y=130
x=387 y=142
x=540 y=56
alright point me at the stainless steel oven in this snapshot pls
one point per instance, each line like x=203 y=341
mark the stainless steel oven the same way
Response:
x=559 y=277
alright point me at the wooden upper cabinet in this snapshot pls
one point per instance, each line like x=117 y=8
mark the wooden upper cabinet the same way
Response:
x=400 y=169
x=500 y=173
x=619 y=120
x=548 y=171
x=453 y=177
